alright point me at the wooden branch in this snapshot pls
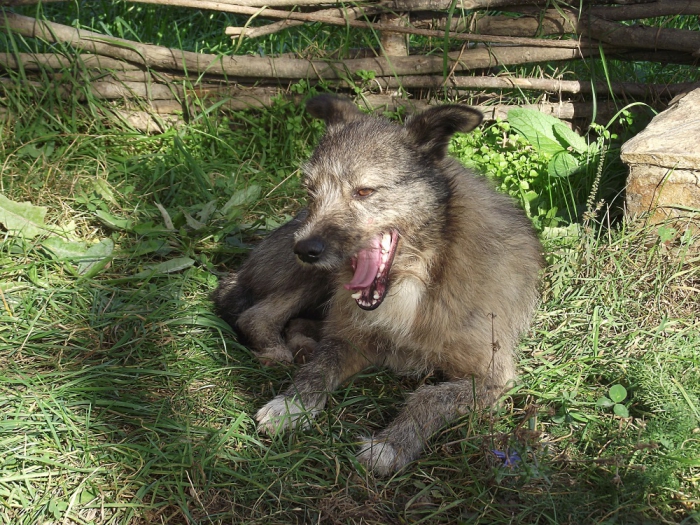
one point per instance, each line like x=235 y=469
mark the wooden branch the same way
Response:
x=561 y=110
x=648 y=10
x=311 y=17
x=264 y=67
x=595 y=27
x=33 y=62
x=629 y=10
x=549 y=22
x=624 y=12
x=268 y=29
x=442 y=5
x=568 y=21
x=634 y=89
x=214 y=5
x=662 y=56
x=643 y=37
x=254 y=32
x=118 y=81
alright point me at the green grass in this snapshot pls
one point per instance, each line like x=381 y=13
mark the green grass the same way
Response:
x=124 y=400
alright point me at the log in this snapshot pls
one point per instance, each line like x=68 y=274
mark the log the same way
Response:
x=625 y=12
x=119 y=73
x=643 y=37
x=282 y=68
x=311 y=17
x=34 y=62
x=550 y=22
x=648 y=10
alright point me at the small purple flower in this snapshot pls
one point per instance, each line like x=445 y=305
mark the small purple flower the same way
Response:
x=510 y=458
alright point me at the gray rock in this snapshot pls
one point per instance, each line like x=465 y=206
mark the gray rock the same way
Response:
x=664 y=163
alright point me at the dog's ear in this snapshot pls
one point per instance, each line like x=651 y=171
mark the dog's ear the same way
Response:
x=334 y=110
x=432 y=130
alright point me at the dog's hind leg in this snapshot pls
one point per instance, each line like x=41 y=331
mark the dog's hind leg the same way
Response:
x=427 y=410
x=262 y=325
x=302 y=337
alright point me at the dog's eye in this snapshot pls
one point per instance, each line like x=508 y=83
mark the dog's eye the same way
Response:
x=364 y=192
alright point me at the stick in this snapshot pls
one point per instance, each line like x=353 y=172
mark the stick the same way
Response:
x=535 y=84
x=254 y=32
x=561 y=110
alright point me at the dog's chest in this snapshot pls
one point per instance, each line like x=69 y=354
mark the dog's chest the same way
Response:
x=395 y=319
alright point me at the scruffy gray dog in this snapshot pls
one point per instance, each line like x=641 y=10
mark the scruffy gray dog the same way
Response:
x=413 y=262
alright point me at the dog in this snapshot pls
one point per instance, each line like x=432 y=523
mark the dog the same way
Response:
x=414 y=262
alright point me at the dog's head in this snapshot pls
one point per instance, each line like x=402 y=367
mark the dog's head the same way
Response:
x=372 y=182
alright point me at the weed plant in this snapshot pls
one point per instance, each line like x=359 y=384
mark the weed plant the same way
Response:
x=124 y=400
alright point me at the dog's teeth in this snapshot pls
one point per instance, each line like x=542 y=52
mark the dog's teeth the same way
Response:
x=376 y=295
x=381 y=268
x=356 y=295
x=386 y=242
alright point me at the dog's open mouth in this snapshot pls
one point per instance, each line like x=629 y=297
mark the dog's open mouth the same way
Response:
x=371 y=265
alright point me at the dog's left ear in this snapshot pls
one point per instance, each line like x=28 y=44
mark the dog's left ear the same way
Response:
x=432 y=130
x=334 y=110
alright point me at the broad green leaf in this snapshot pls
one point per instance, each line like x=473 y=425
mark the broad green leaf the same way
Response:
x=173 y=265
x=193 y=223
x=150 y=246
x=568 y=137
x=562 y=165
x=621 y=410
x=63 y=249
x=617 y=393
x=149 y=228
x=207 y=210
x=96 y=258
x=667 y=233
x=241 y=197
x=22 y=217
x=562 y=232
x=86 y=496
x=113 y=222
x=103 y=189
x=604 y=402
x=30 y=150
x=537 y=129
x=578 y=416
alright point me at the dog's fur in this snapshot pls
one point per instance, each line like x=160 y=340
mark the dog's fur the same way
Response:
x=271 y=288
x=460 y=290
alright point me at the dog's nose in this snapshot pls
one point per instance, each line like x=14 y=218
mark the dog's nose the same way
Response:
x=310 y=250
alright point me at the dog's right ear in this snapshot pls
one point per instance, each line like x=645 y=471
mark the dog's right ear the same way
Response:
x=333 y=110
x=432 y=130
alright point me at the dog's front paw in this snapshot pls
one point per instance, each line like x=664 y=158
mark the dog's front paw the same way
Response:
x=282 y=413
x=380 y=456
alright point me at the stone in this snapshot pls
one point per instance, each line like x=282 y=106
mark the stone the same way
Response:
x=664 y=164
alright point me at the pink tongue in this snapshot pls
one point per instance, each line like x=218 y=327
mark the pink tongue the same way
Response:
x=367 y=266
